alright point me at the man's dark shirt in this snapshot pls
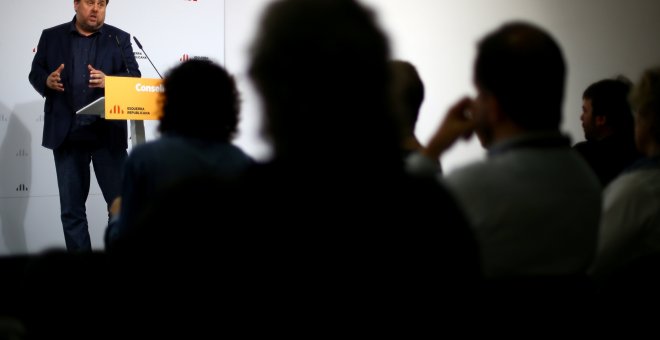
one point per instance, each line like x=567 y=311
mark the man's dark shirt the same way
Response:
x=608 y=157
x=84 y=53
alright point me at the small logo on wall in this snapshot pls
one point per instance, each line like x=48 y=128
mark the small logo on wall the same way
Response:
x=116 y=109
x=22 y=188
x=186 y=57
x=3 y=118
x=40 y=118
x=22 y=153
x=139 y=55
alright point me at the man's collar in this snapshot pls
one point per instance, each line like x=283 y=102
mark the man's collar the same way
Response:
x=644 y=163
x=535 y=140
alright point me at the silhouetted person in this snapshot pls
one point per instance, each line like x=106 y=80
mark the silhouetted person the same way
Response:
x=534 y=203
x=407 y=96
x=608 y=128
x=630 y=225
x=200 y=117
x=321 y=68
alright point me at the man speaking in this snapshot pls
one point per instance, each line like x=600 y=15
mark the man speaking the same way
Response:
x=69 y=70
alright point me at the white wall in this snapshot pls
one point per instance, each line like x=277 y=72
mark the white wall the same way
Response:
x=600 y=38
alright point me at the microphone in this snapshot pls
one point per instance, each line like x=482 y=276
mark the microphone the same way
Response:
x=145 y=53
x=122 y=55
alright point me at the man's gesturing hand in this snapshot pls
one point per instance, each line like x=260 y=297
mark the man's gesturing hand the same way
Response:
x=96 y=77
x=54 y=80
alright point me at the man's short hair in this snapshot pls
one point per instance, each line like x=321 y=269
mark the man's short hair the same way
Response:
x=523 y=67
x=321 y=69
x=609 y=98
x=200 y=101
x=645 y=99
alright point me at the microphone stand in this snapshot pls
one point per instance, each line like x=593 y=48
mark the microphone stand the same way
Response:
x=146 y=55
x=137 y=126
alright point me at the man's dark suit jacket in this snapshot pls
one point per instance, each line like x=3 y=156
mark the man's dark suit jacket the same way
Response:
x=54 y=49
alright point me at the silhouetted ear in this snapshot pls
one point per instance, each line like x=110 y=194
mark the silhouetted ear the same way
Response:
x=601 y=121
x=495 y=112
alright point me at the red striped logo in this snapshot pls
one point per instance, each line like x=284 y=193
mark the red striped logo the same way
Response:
x=184 y=57
x=116 y=109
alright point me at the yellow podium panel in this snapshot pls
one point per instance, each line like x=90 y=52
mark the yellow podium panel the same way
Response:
x=130 y=98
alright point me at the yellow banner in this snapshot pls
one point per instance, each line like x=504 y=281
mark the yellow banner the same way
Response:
x=133 y=98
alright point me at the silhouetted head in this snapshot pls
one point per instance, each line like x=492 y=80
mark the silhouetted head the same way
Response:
x=605 y=109
x=321 y=69
x=200 y=101
x=645 y=100
x=522 y=66
x=407 y=93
